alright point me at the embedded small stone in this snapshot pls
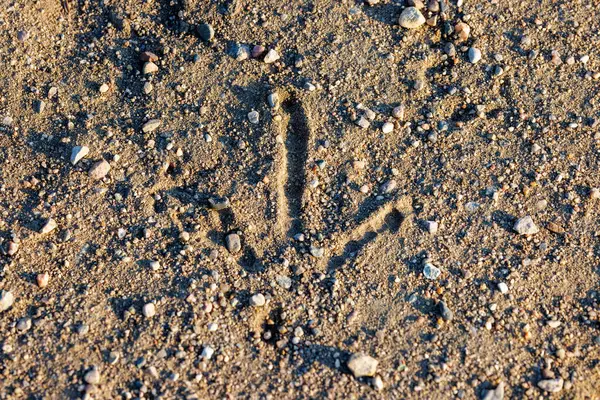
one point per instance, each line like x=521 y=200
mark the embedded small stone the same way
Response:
x=445 y=311
x=49 y=226
x=474 y=55
x=239 y=51
x=147 y=88
x=12 y=249
x=555 y=228
x=462 y=30
x=258 y=300
x=273 y=100
x=363 y=122
x=431 y=227
x=253 y=117
x=207 y=352
x=411 y=18
x=92 y=376
x=271 y=56
x=104 y=88
x=551 y=385
x=283 y=281
x=503 y=288
x=149 y=310
x=377 y=383
x=24 y=324
x=494 y=394
x=78 y=153
x=431 y=271
x=6 y=300
x=526 y=226
x=22 y=36
x=388 y=127
x=148 y=56
x=361 y=364
x=149 y=68
x=206 y=32
x=233 y=243
x=257 y=51
x=151 y=125
x=218 y=203
x=388 y=186
x=317 y=252
x=553 y=323
x=398 y=112
x=99 y=170
x=42 y=280
x=154 y=265
x=39 y=106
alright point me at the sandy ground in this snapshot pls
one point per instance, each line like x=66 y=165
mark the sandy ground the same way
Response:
x=123 y=278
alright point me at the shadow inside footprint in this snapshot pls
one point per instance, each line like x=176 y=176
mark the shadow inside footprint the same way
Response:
x=296 y=143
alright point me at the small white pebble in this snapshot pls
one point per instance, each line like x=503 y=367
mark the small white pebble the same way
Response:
x=503 y=287
x=154 y=265
x=207 y=352
x=388 y=127
x=377 y=383
x=212 y=327
x=149 y=310
x=258 y=300
x=253 y=117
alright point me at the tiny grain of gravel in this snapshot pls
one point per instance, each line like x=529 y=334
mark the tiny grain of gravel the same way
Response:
x=300 y=199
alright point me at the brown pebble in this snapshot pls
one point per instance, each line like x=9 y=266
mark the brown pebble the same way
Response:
x=42 y=280
x=148 y=56
x=99 y=170
x=13 y=247
x=149 y=68
x=257 y=51
x=555 y=228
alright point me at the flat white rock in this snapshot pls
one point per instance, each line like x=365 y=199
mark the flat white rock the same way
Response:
x=78 y=153
x=361 y=364
x=526 y=226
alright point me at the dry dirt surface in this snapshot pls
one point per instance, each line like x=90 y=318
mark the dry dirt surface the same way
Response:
x=302 y=199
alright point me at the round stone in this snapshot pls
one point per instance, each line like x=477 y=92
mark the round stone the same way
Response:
x=474 y=55
x=411 y=18
x=92 y=376
x=149 y=310
x=388 y=127
x=253 y=117
x=206 y=32
x=258 y=300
